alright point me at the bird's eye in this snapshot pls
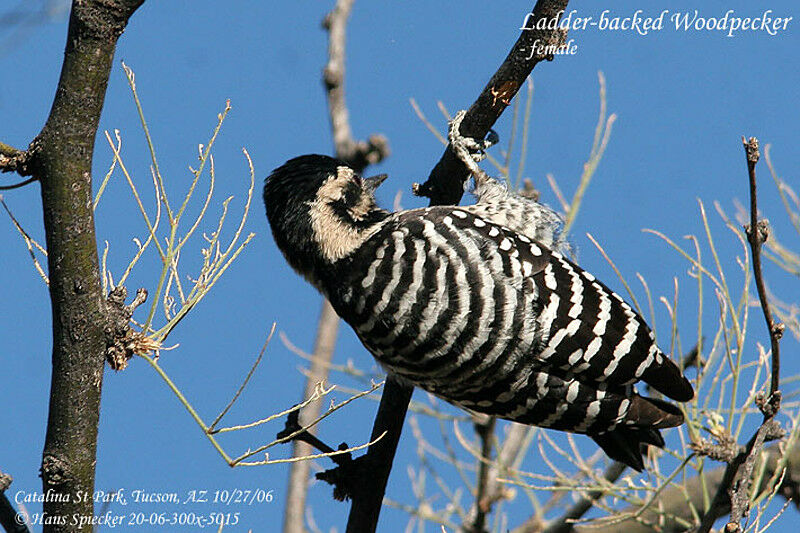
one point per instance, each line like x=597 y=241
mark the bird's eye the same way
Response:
x=351 y=193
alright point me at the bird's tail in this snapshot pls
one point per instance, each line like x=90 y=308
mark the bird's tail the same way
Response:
x=625 y=443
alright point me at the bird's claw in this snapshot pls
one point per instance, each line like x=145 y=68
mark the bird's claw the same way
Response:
x=472 y=146
x=469 y=150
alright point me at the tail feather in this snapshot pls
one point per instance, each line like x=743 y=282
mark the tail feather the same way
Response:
x=626 y=444
x=667 y=379
x=652 y=412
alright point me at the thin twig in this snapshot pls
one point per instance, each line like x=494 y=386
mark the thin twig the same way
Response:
x=29 y=242
x=18 y=185
x=757 y=234
x=357 y=154
x=246 y=380
x=564 y=523
x=735 y=486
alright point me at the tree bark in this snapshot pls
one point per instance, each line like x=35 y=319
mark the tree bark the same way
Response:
x=60 y=158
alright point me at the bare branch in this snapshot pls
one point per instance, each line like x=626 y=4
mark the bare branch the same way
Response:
x=671 y=510
x=378 y=460
x=494 y=491
x=9 y=517
x=60 y=158
x=484 y=427
x=13 y=160
x=734 y=489
x=445 y=184
x=327 y=330
x=564 y=524
x=358 y=154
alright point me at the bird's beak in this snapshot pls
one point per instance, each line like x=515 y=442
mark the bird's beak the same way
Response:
x=370 y=184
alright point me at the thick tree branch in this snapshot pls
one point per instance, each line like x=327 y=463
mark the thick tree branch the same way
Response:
x=445 y=184
x=60 y=158
x=672 y=511
x=359 y=155
x=378 y=460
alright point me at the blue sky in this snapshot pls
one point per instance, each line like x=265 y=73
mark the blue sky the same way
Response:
x=683 y=100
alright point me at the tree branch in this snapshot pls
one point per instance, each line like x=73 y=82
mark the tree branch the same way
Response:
x=327 y=330
x=564 y=524
x=445 y=184
x=672 y=511
x=60 y=157
x=509 y=453
x=757 y=234
x=378 y=461
x=10 y=519
x=734 y=489
x=13 y=160
x=357 y=154
x=484 y=427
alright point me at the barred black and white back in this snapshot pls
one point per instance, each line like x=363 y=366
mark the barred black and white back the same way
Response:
x=484 y=315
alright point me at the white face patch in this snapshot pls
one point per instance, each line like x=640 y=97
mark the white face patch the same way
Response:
x=336 y=237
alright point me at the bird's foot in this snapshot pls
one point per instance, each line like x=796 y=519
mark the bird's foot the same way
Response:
x=469 y=150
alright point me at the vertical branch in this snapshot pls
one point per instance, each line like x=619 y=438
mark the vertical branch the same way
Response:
x=735 y=487
x=484 y=427
x=513 y=446
x=757 y=235
x=357 y=154
x=327 y=330
x=60 y=158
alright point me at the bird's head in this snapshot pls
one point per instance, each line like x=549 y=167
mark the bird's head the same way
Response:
x=320 y=210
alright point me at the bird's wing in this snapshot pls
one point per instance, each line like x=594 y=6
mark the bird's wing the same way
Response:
x=588 y=330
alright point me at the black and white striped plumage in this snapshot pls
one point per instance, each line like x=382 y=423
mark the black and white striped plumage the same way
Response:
x=469 y=304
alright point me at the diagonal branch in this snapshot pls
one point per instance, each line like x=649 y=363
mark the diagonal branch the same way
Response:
x=445 y=184
x=672 y=511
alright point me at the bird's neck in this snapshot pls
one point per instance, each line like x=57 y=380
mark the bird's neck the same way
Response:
x=338 y=234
